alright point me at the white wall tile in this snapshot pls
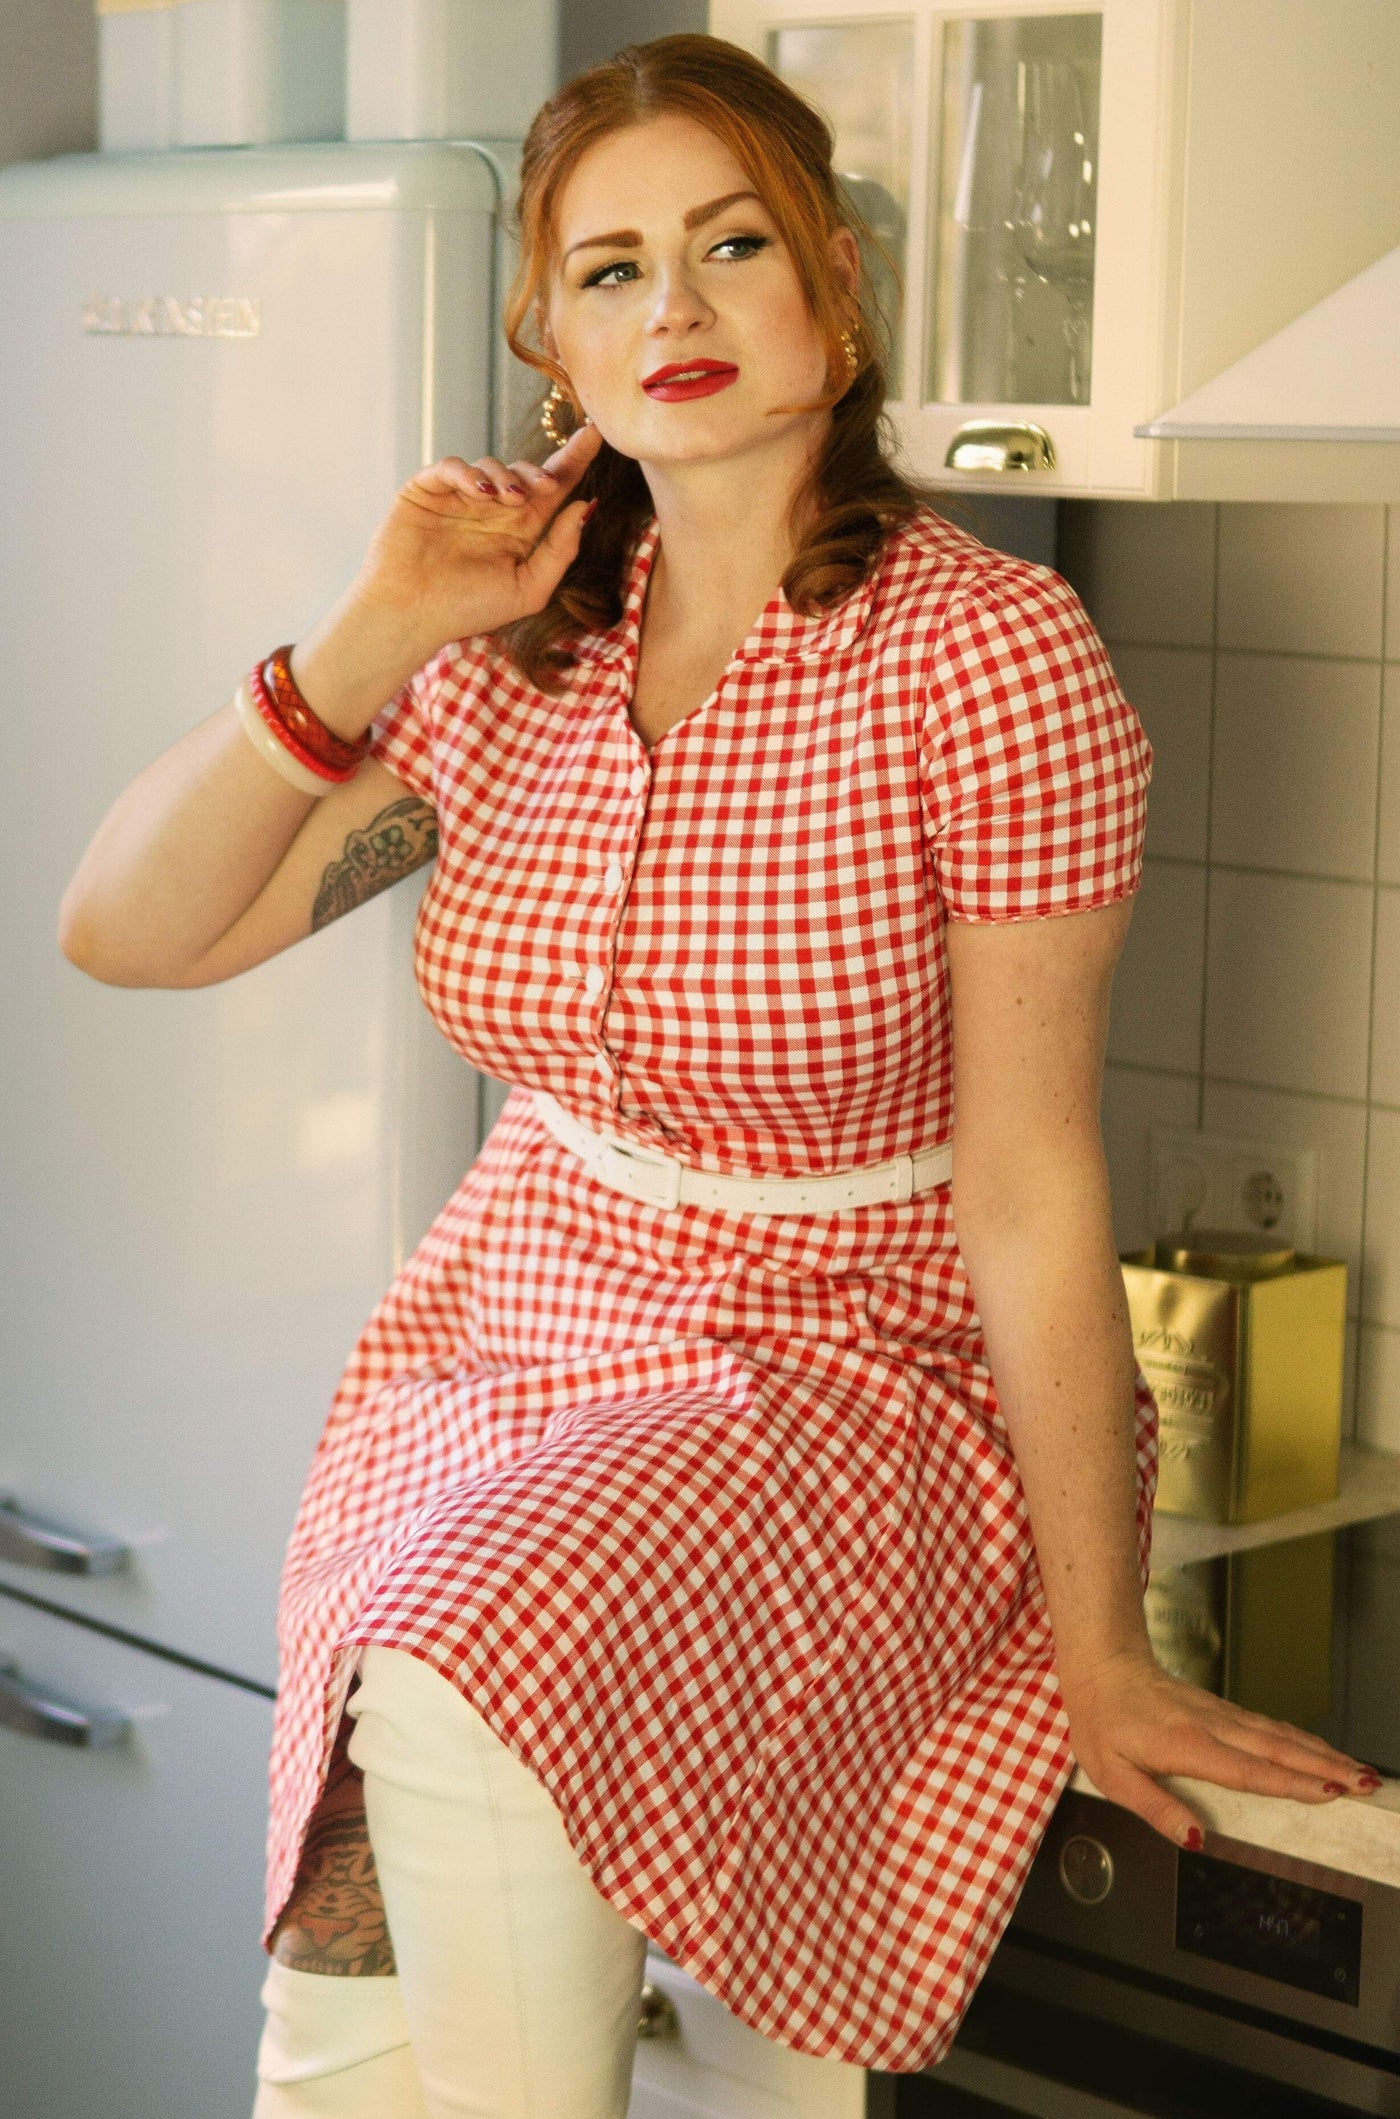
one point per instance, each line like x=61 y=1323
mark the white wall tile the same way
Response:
x=1143 y=569
x=1156 y=1015
x=1288 y=982
x=1380 y=1287
x=1301 y=576
x=1388 y=847
x=1170 y=689
x=1337 y=1131
x=1385 y=1019
x=1135 y=1099
x=1378 y=1388
x=1297 y=743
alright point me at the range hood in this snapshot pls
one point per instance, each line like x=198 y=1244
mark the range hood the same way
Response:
x=1333 y=374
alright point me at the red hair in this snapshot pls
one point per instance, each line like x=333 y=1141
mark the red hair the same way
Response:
x=784 y=147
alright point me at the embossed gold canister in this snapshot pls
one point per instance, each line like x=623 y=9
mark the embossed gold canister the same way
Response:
x=1242 y=1342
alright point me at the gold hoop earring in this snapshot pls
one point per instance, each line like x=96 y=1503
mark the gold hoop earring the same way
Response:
x=549 y=412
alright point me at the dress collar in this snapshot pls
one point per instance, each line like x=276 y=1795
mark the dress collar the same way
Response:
x=779 y=633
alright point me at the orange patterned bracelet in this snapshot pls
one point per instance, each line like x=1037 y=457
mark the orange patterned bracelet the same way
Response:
x=305 y=733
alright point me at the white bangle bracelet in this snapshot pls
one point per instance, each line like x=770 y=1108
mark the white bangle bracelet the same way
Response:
x=277 y=754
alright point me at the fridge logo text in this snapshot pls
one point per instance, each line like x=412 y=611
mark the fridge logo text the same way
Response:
x=173 y=315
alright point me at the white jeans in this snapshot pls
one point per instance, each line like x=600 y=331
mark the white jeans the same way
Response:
x=518 y=1987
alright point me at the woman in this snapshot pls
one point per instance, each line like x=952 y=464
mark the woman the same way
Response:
x=683 y=1568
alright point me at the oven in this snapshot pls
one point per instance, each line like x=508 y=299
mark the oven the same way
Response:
x=1136 y=1979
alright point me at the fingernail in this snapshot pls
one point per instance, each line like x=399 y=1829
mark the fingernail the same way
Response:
x=1193 y=1839
x=1333 y=1788
x=1369 y=1782
x=484 y=485
x=512 y=487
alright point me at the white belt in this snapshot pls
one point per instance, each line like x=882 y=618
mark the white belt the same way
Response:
x=661 y=1181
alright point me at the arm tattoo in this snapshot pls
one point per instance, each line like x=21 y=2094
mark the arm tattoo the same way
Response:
x=401 y=838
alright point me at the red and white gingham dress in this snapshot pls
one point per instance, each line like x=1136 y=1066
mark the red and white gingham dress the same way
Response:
x=713 y=1515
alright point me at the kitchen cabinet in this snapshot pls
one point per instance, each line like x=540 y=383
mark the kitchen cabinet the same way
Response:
x=131 y=1865
x=1095 y=211
x=695 y=2060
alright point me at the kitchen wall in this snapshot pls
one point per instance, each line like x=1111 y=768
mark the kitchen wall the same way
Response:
x=48 y=78
x=590 y=30
x=1259 y=991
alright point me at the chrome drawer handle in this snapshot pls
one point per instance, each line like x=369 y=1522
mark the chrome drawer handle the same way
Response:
x=996 y=445
x=32 y=1541
x=57 y=1721
x=659 y=2018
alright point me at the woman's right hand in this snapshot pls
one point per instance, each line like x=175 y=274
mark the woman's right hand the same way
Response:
x=467 y=547
x=458 y=553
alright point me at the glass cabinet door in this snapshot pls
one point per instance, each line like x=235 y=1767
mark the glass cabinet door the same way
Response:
x=1038 y=301
x=860 y=76
x=1015 y=222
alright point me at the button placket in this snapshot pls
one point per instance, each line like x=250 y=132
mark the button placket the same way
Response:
x=597 y=978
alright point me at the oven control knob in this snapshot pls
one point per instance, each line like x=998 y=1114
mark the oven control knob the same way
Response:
x=1086 y=1869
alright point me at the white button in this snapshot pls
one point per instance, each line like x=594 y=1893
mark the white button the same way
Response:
x=612 y=875
x=638 y=779
x=594 y=981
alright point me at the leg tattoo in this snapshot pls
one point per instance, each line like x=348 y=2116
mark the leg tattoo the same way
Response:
x=334 y=1920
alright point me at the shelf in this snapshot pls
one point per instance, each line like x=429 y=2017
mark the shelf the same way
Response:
x=1368 y=1486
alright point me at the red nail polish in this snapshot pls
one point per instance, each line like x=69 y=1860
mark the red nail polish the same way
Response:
x=1333 y=1788
x=1194 y=1841
x=1369 y=1782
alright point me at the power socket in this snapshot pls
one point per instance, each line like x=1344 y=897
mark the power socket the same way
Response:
x=1231 y=1181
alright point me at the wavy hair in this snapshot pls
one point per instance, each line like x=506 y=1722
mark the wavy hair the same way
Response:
x=853 y=496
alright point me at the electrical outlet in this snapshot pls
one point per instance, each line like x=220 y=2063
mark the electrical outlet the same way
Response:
x=1231 y=1181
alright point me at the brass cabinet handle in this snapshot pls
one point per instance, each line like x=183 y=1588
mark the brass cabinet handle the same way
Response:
x=32 y=1541
x=57 y=1721
x=995 y=445
x=659 y=2018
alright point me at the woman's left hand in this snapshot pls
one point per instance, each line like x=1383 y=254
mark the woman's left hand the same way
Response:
x=1130 y=1722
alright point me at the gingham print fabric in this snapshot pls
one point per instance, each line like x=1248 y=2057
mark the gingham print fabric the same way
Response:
x=713 y=1515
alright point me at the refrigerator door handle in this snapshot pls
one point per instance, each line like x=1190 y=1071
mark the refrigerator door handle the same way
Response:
x=57 y=1721
x=31 y=1541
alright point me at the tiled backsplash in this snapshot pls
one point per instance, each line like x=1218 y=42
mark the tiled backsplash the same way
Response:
x=1259 y=991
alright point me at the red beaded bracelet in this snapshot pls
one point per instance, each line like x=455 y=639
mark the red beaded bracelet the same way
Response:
x=326 y=752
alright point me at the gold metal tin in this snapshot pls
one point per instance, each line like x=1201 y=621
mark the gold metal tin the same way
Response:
x=1247 y=1374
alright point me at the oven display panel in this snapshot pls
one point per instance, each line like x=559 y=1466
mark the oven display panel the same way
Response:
x=1288 y=1931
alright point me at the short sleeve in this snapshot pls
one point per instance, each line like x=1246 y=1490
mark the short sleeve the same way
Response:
x=402 y=733
x=1033 y=766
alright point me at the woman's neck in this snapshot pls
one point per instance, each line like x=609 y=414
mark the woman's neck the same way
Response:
x=727 y=536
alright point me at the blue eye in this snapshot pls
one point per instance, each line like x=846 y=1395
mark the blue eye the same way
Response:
x=755 y=243
x=600 y=277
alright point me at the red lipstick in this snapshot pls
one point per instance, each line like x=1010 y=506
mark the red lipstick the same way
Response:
x=682 y=379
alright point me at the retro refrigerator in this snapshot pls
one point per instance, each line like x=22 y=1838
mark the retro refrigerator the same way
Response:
x=216 y=368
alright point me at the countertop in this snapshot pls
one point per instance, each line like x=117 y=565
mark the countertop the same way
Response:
x=1356 y=1835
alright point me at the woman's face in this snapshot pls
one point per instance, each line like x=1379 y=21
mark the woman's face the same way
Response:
x=666 y=260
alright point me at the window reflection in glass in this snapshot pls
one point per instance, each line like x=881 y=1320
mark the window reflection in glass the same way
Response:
x=859 y=75
x=1016 y=220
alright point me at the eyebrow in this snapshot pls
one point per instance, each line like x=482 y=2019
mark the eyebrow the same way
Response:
x=629 y=239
